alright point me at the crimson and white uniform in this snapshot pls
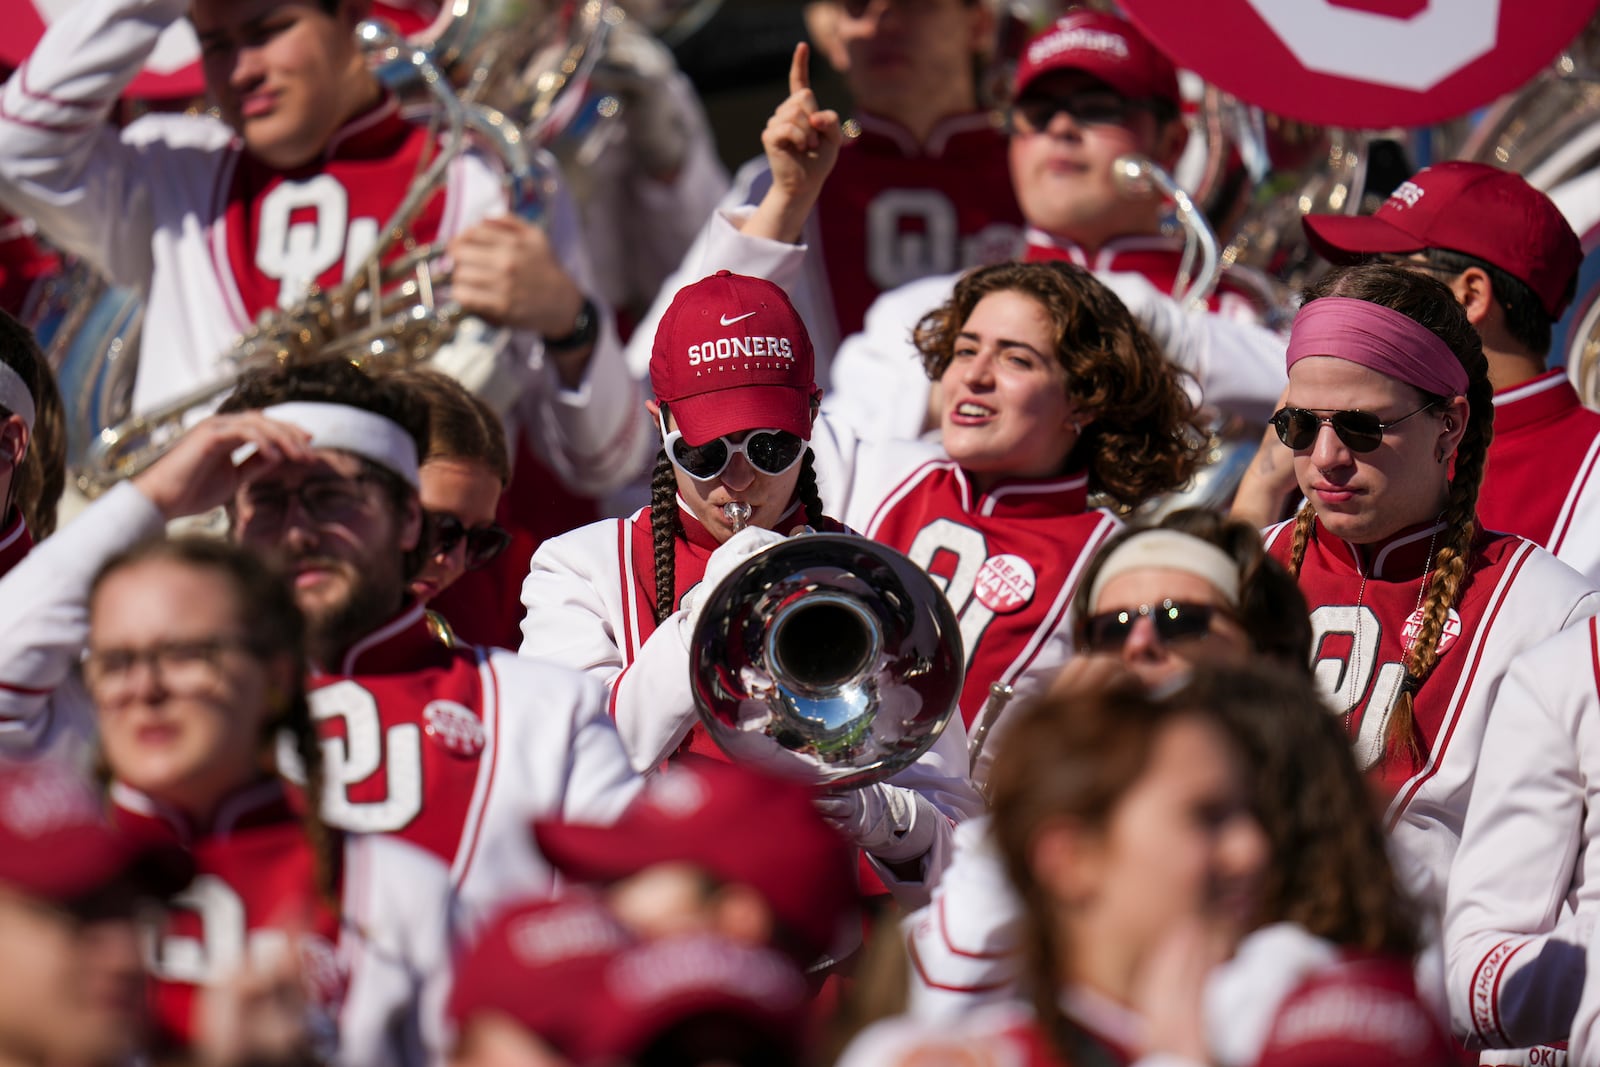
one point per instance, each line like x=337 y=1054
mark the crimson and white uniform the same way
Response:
x=1365 y=606
x=1542 y=480
x=174 y=207
x=454 y=750
x=376 y=974
x=1525 y=887
x=1008 y=559
x=880 y=388
x=591 y=597
x=892 y=211
x=15 y=541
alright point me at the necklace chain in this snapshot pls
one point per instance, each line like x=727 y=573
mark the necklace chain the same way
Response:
x=1355 y=648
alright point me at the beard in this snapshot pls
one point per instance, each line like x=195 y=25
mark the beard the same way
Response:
x=353 y=602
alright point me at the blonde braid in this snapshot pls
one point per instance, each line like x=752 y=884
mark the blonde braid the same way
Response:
x=1304 y=522
x=1460 y=518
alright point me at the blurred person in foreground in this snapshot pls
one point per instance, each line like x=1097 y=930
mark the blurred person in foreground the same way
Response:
x=1153 y=834
x=70 y=888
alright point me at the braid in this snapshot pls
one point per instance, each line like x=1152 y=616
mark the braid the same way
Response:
x=806 y=490
x=1460 y=518
x=325 y=844
x=1303 y=524
x=665 y=528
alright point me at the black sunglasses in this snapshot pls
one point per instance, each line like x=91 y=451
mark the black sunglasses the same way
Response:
x=1088 y=107
x=768 y=451
x=1175 y=620
x=1361 y=431
x=484 y=543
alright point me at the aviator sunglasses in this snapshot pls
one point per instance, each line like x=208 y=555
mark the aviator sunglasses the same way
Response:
x=1361 y=431
x=1174 y=620
x=768 y=451
x=484 y=543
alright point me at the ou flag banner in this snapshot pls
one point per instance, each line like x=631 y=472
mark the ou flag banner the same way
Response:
x=1363 y=63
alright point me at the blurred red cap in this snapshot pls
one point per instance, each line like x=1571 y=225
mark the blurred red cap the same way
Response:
x=739 y=826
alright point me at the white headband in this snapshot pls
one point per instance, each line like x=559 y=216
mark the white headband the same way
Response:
x=14 y=395
x=353 y=429
x=1173 y=551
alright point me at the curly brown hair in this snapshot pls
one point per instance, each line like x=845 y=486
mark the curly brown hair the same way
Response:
x=1430 y=303
x=1145 y=437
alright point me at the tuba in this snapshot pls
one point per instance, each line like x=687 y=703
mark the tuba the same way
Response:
x=391 y=310
x=828 y=657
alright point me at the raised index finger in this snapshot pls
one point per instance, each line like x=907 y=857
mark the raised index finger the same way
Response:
x=800 y=69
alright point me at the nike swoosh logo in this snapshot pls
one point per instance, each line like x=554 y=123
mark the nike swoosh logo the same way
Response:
x=737 y=318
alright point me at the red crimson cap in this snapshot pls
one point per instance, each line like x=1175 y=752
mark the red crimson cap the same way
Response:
x=1105 y=47
x=742 y=828
x=647 y=990
x=1471 y=208
x=56 y=844
x=730 y=355
x=533 y=961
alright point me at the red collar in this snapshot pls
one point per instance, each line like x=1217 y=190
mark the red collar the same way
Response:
x=1400 y=557
x=403 y=644
x=264 y=802
x=1044 y=247
x=1023 y=498
x=15 y=541
x=880 y=134
x=1534 y=401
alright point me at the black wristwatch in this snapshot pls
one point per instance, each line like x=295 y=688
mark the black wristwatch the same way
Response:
x=584 y=331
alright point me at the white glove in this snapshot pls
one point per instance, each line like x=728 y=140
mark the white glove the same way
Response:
x=732 y=552
x=891 y=823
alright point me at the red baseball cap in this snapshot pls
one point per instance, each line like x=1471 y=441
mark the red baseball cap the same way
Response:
x=1104 y=46
x=730 y=355
x=1472 y=208
x=57 y=845
x=741 y=827
x=532 y=960
x=651 y=988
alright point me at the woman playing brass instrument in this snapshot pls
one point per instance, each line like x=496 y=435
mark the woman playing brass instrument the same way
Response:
x=732 y=374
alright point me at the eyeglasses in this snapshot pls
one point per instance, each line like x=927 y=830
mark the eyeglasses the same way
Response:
x=484 y=543
x=1174 y=620
x=181 y=666
x=1088 y=107
x=768 y=451
x=324 y=500
x=1361 y=431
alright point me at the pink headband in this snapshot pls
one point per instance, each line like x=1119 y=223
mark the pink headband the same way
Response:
x=1380 y=338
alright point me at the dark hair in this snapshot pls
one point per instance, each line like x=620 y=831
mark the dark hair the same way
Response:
x=460 y=426
x=340 y=382
x=666 y=527
x=1330 y=872
x=1145 y=437
x=1430 y=303
x=1076 y=755
x=274 y=629
x=1271 y=609
x=38 y=483
x=1526 y=319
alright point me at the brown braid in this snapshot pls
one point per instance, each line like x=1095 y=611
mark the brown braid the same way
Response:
x=1304 y=521
x=806 y=490
x=327 y=847
x=665 y=528
x=1433 y=305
